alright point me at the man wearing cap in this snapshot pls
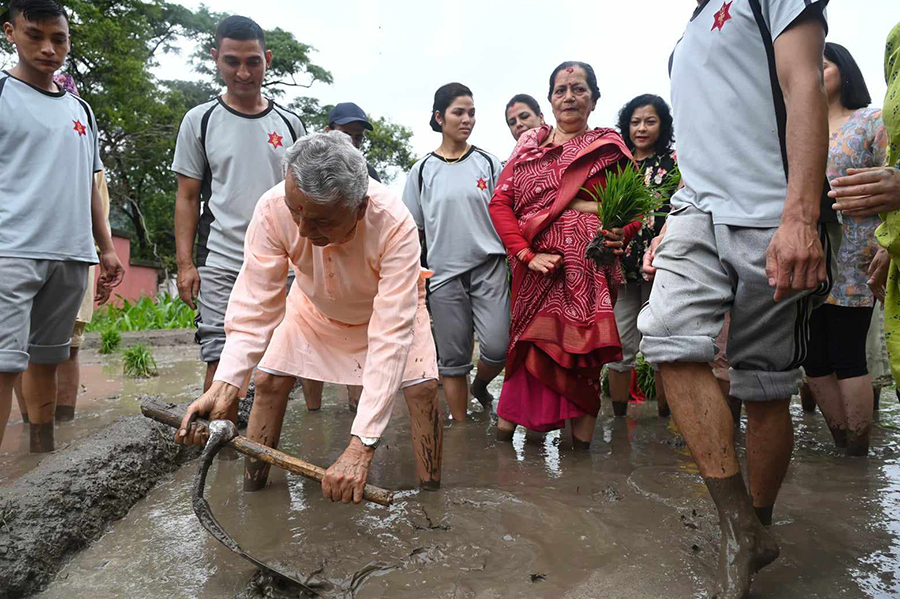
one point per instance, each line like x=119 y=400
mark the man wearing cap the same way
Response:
x=352 y=120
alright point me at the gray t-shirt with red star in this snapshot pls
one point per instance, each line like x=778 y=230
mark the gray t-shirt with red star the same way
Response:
x=49 y=152
x=724 y=100
x=449 y=202
x=238 y=158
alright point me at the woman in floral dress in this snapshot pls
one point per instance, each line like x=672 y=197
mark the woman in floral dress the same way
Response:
x=836 y=363
x=646 y=126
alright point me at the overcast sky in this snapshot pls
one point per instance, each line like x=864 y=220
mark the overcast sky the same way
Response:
x=390 y=56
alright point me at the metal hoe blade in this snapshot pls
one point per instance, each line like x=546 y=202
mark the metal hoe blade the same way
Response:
x=220 y=433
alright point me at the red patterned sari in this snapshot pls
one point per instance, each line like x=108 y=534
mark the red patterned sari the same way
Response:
x=563 y=329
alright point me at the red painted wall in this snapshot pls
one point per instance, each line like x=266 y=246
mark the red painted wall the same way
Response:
x=139 y=280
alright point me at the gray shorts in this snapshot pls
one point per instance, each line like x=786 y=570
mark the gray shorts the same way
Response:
x=212 y=302
x=706 y=270
x=39 y=300
x=477 y=301
x=632 y=298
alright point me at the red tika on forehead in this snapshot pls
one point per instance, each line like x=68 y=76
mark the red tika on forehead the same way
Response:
x=570 y=70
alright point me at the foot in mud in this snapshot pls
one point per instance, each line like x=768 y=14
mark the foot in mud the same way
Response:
x=505 y=436
x=743 y=554
x=481 y=393
x=857 y=443
x=65 y=413
x=807 y=401
x=41 y=438
x=579 y=445
x=620 y=408
x=840 y=437
x=746 y=546
x=765 y=514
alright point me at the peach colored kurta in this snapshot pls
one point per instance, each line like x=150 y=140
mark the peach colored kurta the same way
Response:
x=355 y=314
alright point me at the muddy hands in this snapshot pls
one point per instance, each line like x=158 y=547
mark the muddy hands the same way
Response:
x=346 y=478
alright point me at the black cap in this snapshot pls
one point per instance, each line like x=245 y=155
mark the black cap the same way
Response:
x=348 y=112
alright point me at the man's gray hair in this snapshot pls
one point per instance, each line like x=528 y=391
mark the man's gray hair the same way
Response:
x=328 y=169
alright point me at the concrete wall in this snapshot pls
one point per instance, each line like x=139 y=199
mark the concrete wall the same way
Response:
x=141 y=277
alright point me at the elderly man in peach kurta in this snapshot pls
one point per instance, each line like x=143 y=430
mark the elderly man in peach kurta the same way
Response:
x=355 y=314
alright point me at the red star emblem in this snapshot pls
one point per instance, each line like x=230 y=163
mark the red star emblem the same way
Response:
x=723 y=16
x=275 y=139
x=79 y=128
x=482 y=184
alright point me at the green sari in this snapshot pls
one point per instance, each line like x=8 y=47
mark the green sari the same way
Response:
x=888 y=234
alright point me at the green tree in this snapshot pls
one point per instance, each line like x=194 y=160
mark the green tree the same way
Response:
x=116 y=45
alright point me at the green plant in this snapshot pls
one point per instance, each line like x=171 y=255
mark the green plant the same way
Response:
x=166 y=312
x=624 y=199
x=138 y=362
x=110 y=339
x=646 y=378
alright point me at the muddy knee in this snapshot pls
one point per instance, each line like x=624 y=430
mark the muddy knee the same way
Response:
x=270 y=386
x=422 y=395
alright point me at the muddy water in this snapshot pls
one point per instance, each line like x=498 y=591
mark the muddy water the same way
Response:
x=631 y=519
x=105 y=395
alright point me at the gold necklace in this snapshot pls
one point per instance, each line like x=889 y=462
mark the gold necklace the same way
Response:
x=458 y=158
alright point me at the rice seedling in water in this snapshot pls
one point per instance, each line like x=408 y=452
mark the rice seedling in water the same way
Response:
x=646 y=378
x=110 y=339
x=138 y=362
x=623 y=200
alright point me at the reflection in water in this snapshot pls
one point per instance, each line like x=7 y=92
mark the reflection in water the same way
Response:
x=105 y=396
x=629 y=520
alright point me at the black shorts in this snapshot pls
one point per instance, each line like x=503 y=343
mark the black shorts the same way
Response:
x=837 y=342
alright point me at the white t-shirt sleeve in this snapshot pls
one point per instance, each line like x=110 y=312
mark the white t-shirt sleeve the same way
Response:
x=781 y=13
x=411 y=196
x=98 y=164
x=190 y=159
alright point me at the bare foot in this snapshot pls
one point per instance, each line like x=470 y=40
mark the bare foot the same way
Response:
x=481 y=393
x=744 y=553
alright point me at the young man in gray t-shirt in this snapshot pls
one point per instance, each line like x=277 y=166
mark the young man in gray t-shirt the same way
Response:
x=743 y=237
x=51 y=214
x=228 y=154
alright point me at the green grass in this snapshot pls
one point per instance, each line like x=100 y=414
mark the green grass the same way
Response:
x=646 y=378
x=110 y=340
x=167 y=312
x=138 y=362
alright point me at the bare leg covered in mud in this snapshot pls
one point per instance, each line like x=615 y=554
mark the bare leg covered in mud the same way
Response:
x=266 y=420
x=427 y=430
x=7 y=379
x=620 y=389
x=583 y=431
x=705 y=421
x=847 y=405
x=312 y=394
x=69 y=380
x=483 y=377
x=39 y=387
x=456 y=390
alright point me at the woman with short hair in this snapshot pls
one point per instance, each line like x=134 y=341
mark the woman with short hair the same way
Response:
x=836 y=362
x=563 y=330
x=645 y=123
x=447 y=193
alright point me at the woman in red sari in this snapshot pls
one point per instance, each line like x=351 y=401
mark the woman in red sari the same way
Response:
x=563 y=329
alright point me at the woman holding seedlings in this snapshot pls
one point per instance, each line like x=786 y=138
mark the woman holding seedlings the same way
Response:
x=836 y=360
x=563 y=330
x=447 y=193
x=646 y=126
